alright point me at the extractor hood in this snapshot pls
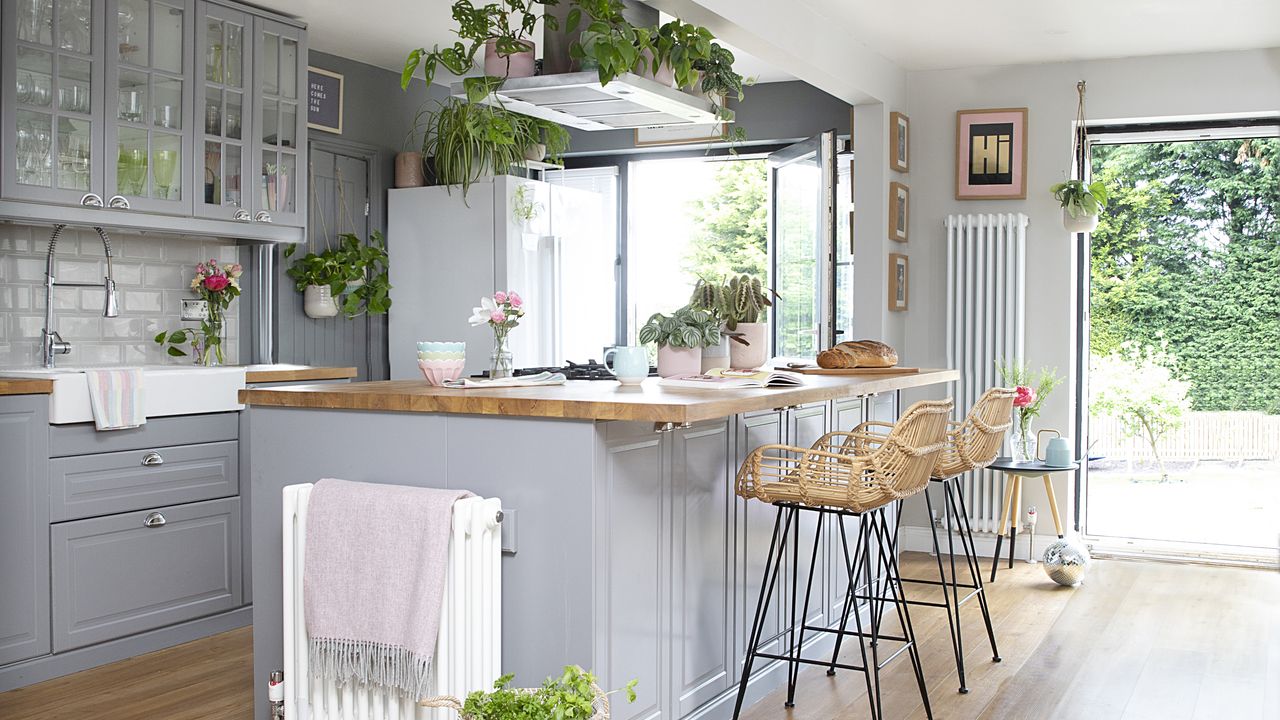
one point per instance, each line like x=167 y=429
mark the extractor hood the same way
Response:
x=579 y=101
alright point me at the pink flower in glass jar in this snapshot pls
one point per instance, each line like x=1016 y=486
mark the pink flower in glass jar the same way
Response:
x=1025 y=397
x=514 y=299
x=499 y=297
x=497 y=317
x=216 y=283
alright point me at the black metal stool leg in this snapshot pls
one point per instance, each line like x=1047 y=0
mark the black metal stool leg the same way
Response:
x=949 y=511
x=871 y=530
x=953 y=619
x=850 y=600
x=777 y=549
x=975 y=571
x=900 y=604
x=995 y=557
x=793 y=672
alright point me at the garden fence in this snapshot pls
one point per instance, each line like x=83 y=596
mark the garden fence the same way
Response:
x=1203 y=436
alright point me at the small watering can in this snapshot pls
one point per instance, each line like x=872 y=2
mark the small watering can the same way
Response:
x=1058 y=452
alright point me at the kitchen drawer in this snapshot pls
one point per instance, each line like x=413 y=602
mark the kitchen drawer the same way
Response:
x=83 y=439
x=108 y=483
x=115 y=576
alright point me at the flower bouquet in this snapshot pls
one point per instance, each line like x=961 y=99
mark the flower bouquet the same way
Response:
x=1031 y=389
x=219 y=286
x=502 y=312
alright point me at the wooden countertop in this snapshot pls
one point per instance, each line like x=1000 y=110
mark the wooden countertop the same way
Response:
x=295 y=373
x=583 y=399
x=25 y=386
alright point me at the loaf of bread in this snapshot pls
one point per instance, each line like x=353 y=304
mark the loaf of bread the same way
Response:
x=858 y=353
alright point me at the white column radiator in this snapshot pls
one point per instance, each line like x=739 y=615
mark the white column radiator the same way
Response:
x=986 y=321
x=468 y=653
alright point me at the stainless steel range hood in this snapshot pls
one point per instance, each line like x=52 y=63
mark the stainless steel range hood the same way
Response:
x=579 y=101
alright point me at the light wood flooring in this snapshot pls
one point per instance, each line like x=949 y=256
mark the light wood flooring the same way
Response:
x=1136 y=640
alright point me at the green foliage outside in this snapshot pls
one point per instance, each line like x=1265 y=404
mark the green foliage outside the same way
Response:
x=1186 y=265
x=1139 y=387
x=733 y=224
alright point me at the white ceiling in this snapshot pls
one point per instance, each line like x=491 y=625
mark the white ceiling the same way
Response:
x=383 y=32
x=936 y=34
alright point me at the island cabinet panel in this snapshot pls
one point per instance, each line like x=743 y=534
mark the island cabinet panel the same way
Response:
x=702 y=572
x=24 y=527
x=635 y=537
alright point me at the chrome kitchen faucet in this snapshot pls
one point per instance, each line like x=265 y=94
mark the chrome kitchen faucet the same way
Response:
x=53 y=342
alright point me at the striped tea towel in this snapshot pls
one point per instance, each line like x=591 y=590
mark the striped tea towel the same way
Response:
x=115 y=397
x=373 y=581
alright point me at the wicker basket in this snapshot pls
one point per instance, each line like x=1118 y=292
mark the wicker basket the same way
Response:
x=601 y=703
x=855 y=471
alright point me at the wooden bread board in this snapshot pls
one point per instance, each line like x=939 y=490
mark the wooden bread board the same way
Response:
x=852 y=371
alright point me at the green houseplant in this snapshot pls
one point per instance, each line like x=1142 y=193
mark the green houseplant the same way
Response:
x=488 y=26
x=1081 y=203
x=351 y=268
x=574 y=695
x=740 y=303
x=680 y=337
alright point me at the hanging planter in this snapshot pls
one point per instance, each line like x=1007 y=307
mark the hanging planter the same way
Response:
x=350 y=278
x=513 y=65
x=1081 y=203
x=318 y=302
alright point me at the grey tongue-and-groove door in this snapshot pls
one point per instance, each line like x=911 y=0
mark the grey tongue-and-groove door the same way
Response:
x=340 y=203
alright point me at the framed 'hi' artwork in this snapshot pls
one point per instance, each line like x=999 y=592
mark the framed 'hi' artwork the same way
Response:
x=991 y=154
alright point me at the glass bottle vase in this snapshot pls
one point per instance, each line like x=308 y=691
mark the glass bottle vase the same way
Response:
x=1022 y=441
x=500 y=363
x=210 y=340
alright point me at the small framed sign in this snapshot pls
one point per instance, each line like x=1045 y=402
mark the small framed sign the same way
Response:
x=324 y=100
x=899 y=282
x=899 y=211
x=899 y=142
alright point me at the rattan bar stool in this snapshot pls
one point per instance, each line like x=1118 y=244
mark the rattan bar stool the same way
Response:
x=971 y=445
x=830 y=478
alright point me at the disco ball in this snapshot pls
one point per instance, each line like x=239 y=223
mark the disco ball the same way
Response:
x=1066 y=561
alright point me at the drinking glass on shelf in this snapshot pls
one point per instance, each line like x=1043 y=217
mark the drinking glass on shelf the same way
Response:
x=41 y=94
x=162 y=168
x=131 y=172
x=26 y=83
x=131 y=105
x=79 y=150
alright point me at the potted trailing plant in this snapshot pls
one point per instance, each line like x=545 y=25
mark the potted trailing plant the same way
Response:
x=718 y=81
x=509 y=49
x=1081 y=204
x=574 y=695
x=677 y=48
x=740 y=304
x=680 y=337
x=610 y=44
x=353 y=271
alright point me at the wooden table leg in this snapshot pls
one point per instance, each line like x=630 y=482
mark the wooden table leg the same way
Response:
x=1017 y=516
x=1053 y=505
x=1003 y=527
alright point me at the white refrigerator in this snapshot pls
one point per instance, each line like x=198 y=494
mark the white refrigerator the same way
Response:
x=446 y=253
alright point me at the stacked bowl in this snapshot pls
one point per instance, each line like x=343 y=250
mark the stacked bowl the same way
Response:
x=441 y=361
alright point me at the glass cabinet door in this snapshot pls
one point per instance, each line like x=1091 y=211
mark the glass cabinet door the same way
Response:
x=52 y=93
x=224 y=135
x=280 y=69
x=149 y=76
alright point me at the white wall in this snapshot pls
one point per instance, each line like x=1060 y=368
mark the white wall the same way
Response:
x=1167 y=87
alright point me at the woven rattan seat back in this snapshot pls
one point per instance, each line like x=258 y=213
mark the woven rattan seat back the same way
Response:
x=830 y=474
x=975 y=442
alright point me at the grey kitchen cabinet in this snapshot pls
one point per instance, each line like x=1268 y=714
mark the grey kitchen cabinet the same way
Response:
x=24 y=527
x=127 y=573
x=160 y=102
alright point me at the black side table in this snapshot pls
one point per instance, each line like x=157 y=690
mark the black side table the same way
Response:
x=1013 y=499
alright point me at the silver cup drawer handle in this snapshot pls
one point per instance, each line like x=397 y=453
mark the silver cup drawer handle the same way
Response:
x=152 y=458
x=154 y=520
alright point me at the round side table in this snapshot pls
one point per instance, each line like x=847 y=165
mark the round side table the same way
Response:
x=1013 y=499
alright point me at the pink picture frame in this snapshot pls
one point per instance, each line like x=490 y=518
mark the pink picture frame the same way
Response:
x=991 y=154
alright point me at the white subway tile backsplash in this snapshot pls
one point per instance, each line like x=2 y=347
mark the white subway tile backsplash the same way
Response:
x=152 y=273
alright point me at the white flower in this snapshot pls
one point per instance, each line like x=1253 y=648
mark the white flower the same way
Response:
x=482 y=314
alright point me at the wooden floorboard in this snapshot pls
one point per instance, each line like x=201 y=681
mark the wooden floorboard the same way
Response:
x=1136 y=640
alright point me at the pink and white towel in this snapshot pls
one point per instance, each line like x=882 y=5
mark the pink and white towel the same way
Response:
x=116 y=398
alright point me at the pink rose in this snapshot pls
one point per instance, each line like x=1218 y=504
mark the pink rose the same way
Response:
x=234 y=270
x=497 y=317
x=1025 y=397
x=216 y=283
x=514 y=299
x=499 y=297
x=200 y=269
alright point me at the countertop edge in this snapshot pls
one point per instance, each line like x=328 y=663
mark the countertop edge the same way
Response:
x=300 y=374
x=25 y=386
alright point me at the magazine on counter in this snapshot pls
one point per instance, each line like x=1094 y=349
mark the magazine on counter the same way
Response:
x=726 y=379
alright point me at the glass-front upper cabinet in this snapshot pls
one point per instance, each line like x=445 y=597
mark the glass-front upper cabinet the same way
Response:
x=224 y=138
x=280 y=66
x=149 y=79
x=52 y=90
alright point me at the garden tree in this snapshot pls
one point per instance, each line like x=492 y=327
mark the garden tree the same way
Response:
x=1138 y=386
x=733 y=223
x=1187 y=257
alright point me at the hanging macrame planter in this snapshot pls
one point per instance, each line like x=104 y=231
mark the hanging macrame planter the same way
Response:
x=1081 y=203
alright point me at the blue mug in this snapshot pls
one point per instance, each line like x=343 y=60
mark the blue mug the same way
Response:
x=630 y=363
x=1058 y=453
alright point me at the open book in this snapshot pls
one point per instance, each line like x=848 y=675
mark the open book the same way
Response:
x=720 y=378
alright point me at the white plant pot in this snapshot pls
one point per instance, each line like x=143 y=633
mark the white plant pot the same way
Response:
x=318 y=302
x=1082 y=224
x=536 y=152
x=756 y=353
x=716 y=356
x=679 y=361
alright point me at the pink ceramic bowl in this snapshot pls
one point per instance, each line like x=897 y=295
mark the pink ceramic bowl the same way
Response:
x=438 y=371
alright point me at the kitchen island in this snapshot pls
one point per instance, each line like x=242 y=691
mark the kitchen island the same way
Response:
x=626 y=549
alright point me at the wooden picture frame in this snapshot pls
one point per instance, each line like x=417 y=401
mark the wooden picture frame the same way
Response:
x=899 y=142
x=991 y=154
x=899 y=282
x=321 y=111
x=899 y=211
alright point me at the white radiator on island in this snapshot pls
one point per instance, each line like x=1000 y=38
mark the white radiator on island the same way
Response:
x=986 y=324
x=468 y=653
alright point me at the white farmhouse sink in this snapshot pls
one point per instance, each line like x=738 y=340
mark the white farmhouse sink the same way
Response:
x=166 y=390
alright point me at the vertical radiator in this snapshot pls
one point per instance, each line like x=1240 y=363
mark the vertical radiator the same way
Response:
x=986 y=320
x=468 y=650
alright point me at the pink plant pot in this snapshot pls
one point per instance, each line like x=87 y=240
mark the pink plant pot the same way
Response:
x=679 y=361
x=519 y=65
x=666 y=74
x=744 y=357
